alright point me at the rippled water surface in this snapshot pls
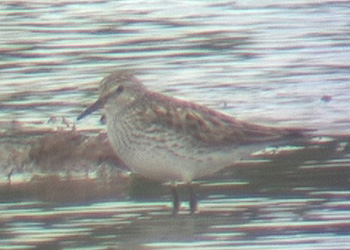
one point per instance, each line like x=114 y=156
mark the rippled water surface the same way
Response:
x=224 y=223
x=284 y=63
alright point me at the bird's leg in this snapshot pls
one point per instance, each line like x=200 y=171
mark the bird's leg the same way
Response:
x=193 y=198
x=176 y=202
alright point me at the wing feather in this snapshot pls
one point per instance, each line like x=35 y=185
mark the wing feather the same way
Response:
x=209 y=126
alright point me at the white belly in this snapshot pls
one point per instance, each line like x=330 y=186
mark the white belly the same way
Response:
x=167 y=161
x=165 y=155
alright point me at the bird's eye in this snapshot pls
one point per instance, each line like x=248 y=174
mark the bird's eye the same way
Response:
x=119 y=89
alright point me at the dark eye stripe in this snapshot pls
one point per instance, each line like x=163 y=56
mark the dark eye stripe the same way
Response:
x=119 y=89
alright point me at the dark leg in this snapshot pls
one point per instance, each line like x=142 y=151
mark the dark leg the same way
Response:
x=193 y=199
x=176 y=203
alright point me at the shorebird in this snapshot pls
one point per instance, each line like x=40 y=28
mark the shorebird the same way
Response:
x=174 y=141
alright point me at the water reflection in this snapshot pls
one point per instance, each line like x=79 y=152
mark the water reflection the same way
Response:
x=246 y=222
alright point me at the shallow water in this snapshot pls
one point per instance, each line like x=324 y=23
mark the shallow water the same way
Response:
x=224 y=223
x=283 y=63
x=258 y=61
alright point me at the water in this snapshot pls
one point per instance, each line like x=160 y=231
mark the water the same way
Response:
x=226 y=223
x=284 y=63
x=260 y=58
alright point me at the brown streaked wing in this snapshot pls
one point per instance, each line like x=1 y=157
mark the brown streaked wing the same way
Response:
x=210 y=126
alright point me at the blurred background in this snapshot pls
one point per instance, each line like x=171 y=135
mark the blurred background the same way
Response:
x=274 y=63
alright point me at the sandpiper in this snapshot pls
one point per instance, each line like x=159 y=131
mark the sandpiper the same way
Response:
x=175 y=141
